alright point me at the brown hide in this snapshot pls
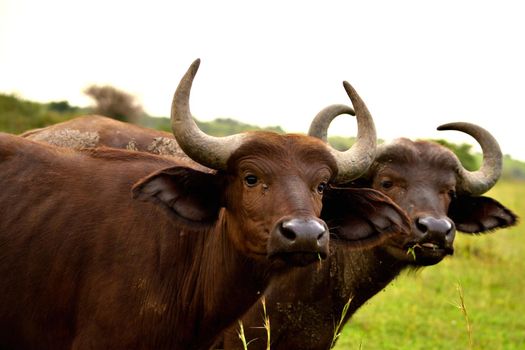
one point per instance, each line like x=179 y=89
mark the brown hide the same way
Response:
x=90 y=266
x=303 y=305
x=85 y=265
x=94 y=131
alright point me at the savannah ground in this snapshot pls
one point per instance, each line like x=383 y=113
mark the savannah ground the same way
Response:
x=421 y=309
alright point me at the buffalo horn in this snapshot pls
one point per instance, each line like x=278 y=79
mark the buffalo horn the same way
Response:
x=482 y=180
x=207 y=150
x=353 y=162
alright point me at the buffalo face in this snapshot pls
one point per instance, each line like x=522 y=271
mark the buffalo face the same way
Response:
x=274 y=197
x=422 y=178
x=268 y=200
x=425 y=193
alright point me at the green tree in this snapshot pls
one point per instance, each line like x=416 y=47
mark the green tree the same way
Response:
x=61 y=107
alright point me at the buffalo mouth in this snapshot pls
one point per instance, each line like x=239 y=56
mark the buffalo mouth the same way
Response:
x=298 y=259
x=427 y=253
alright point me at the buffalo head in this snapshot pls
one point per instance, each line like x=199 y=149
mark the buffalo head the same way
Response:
x=265 y=188
x=438 y=194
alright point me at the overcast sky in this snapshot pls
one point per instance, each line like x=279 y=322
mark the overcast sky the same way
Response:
x=416 y=64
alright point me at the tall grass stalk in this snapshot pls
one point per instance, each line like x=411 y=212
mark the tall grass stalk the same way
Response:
x=242 y=337
x=266 y=323
x=337 y=328
x=463 y=309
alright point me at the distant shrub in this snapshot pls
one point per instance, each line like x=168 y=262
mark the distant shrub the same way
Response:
x=114 y=103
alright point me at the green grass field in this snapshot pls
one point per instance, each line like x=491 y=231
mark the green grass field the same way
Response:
x=419 y=310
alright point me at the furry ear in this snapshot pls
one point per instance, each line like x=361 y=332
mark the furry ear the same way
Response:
x=480 y=214
x=188 y=194
x=363 y=215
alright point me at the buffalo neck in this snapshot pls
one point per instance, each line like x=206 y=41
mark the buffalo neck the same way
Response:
x=302 y=302
x=360 y=274
x=217 y=285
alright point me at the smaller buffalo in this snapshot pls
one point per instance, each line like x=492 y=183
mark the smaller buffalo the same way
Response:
x=439 y=196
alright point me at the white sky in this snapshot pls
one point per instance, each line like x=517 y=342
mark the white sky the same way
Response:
x=417 y=64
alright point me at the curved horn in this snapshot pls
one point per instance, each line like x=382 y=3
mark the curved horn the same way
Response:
x=353 y=162
x=209 y=151
x=482 y=180
x=321 y=122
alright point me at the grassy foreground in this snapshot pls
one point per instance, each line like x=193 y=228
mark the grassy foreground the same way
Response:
x=420 y=310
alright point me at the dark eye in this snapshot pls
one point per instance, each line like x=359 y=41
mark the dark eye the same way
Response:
x=386 y=184
x=321 y=187
x=452 y=194
x=251 y=180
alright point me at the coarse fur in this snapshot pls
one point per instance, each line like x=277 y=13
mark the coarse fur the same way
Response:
x=91 y=131
x=85 y=265
x=68 y=138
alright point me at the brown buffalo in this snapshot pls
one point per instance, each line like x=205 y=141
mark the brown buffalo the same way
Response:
x=114 y=249
x=91 y=131
x=423 y=178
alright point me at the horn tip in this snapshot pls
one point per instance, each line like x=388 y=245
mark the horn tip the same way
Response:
x=195 y=65
x=447 y=126
x=455 y=126
x=349 y=89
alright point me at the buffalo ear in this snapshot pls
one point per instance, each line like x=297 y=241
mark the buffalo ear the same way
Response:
x=188 y=194
x=480 y=214
x=363 y=215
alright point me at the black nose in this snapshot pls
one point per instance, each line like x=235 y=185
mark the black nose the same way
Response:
x=440 y=229
x=300 y=235
x=303 y=229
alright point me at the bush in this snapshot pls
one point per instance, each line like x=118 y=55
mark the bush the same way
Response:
x=114 y=103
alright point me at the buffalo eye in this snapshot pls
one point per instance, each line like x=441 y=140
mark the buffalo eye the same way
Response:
x=251 y=180
x=386 y=184
x=452 y=194
x=321 y=187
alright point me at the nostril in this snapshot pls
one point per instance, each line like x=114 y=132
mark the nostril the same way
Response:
x=321 y=235
x=421 y=226
x=287 y=230
x=450 y=229
x=289 y=234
